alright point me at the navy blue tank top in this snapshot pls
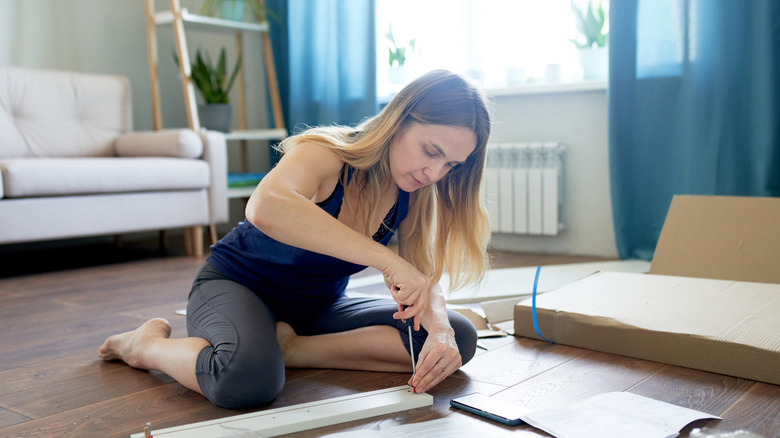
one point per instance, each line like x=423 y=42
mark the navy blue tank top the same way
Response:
x=292 y=274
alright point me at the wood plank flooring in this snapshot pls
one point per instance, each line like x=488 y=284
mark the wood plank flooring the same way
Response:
x=53 y=384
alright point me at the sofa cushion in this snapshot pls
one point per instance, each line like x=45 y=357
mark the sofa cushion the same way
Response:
x=184 y=143
x=26 y=177
x=50 y=113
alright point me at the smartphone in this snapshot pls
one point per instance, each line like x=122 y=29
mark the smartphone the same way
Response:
x=489 y=407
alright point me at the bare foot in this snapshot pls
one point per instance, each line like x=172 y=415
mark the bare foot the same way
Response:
x=285 y=335
x=128 y=346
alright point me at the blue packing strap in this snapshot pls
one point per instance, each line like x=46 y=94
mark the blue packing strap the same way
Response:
x=533 y=306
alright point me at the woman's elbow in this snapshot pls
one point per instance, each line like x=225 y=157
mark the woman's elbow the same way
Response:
x=259 y=209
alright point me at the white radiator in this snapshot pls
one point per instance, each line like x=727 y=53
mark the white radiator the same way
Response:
x=523 y=187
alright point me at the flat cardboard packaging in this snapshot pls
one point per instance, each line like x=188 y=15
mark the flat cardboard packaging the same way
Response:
x=711 y=300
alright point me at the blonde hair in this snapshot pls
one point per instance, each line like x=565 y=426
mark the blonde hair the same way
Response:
x=457 y=240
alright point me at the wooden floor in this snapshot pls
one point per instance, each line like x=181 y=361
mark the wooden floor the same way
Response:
x=53 y=384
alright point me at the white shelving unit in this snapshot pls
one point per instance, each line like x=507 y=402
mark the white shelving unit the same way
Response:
x=257 y=134
x=183 y=21
x=201 y=22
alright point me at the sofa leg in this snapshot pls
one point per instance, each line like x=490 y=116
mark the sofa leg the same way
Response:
x=213 y=234
x=193 y=241
x=197 y=241
x=162 y=239
x=187 y=241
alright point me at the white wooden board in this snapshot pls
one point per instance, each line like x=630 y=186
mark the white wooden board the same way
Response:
x=515 y=282
x=280 y=421
x=518 y=282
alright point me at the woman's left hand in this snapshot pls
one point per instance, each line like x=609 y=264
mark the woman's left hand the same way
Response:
x=438 y=359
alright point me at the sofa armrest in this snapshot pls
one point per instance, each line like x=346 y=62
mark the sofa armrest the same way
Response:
x=215 y=153
x=180 y=143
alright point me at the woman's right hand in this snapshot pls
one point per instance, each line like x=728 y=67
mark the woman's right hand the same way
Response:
x=409 y=288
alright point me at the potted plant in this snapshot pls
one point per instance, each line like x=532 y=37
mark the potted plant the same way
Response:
x=234 y=9
x=592 y=39
x=213 y=84
x=397 y=54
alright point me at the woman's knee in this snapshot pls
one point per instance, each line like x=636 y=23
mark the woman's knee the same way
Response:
x=250 y=392
x=238 y=384
x=465 y=335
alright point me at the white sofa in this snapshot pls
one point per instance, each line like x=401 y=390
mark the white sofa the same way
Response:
x=72 y=166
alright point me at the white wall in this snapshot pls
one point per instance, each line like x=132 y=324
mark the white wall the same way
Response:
x=577 y=118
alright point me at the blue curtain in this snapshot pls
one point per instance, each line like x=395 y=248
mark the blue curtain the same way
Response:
x=694 y=107
x=325 y=52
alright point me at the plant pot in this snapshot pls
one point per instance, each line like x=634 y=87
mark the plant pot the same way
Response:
x=232 y=9
x=399 y=75
x=594 y=62
x=215 y=116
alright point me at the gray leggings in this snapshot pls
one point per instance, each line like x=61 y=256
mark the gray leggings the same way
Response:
x=243 y=367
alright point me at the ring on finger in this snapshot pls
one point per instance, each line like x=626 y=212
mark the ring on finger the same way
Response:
x=440 y=366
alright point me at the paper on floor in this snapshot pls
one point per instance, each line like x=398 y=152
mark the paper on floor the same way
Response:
x=615 y=415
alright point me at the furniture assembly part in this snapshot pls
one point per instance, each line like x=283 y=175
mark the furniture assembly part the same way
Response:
x=290 y=419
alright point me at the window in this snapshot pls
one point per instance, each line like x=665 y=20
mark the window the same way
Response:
x=498 y=42
x=660 y=39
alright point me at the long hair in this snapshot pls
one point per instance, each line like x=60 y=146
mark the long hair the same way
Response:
x=450 y=229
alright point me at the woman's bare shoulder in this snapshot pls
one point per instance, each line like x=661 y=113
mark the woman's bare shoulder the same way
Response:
x=312 y=157
x=310 y=168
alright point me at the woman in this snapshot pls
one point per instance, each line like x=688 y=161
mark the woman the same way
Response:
x=272 y=291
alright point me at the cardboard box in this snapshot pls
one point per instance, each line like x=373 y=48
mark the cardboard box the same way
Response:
x=722 y=237
x=710 y=302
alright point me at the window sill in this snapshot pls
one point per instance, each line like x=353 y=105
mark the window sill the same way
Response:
x=533 y=88
x=549 y=88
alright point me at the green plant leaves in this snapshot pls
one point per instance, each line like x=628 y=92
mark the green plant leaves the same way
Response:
x=397 y=53
x=261 y=13
x=212 y=81
x=590 y=24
